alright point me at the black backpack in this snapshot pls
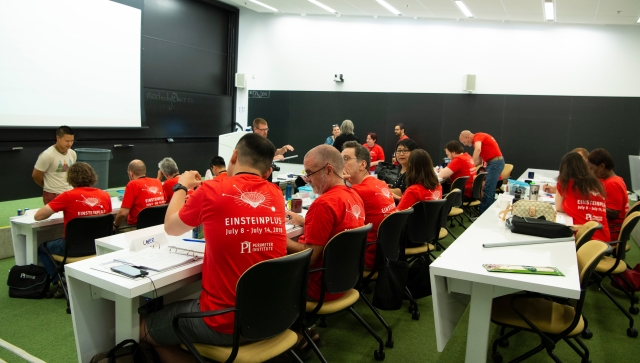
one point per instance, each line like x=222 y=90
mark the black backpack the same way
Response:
x=387 y=172
x=28 y=282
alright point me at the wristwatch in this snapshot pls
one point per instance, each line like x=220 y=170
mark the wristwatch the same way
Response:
x=179 y=186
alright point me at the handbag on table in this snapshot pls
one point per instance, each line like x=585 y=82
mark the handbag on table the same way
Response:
x=530 y=209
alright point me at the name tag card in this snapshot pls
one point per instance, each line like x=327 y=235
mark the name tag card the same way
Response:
x=153 y=241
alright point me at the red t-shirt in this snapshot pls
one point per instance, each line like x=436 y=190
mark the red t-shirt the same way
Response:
x=490 y=148
x=418 y=193
x=378 y=203
x=336 y=210
x=222 y=175
x=583 y=210
x=139 y=194
x=81 y=202
x=167 y=187
x=243 y=223
x=463 y=165
x=617 y=199
x=376 y=153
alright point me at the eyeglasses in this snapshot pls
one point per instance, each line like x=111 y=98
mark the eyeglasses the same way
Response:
x=403 y=151
x=266 y=129
x=346 y=159
x=308 y=175
x=335 y=126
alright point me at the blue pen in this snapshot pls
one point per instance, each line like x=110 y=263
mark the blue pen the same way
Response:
x=193 y=240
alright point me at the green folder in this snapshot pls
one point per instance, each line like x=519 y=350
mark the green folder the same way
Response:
x=522 y=269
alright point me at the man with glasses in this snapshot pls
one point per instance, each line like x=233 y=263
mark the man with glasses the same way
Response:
x=375 y=194
x=337 y=209
x=485 y=148
x=261 y=128
x=399 y=131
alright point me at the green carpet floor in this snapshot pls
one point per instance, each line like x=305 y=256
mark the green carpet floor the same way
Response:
x=42 y=328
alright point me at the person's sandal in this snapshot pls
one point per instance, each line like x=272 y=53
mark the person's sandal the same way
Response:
x=59 y=294
x=302 y=349
x=315 y=337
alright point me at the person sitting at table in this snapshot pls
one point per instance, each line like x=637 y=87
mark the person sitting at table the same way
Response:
x=334 y=133
x=377 y=154
x=228 y=217
x=581 y=195
x=585 y=155
x=461 y=165
x=169 y=170
x=403 y=151
x=375 y=194
x=422 y=181
x=601 y=165
x=217 y=168
x=83 y=200
x=141 y=192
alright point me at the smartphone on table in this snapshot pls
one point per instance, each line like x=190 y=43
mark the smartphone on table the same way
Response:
x=129 y=271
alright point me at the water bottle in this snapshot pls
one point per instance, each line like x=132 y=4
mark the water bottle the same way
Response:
x=288 y=191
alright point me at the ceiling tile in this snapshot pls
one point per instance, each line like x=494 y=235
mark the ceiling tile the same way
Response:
x=526 y=17
x=439 y=5
x=577 y=7
x=626 y=7
x=449 y=14
x=485 y=6
x=523 y=6
x=615 y=19
x=575 y=19
x=492 y=16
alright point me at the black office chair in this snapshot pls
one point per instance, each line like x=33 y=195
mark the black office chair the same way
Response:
x=342 y=267
x=423 y=229
x=79 y=243
x=388 y=249
x=452 y=198
x=152 y=216
x=265 y=310
x=473 y=205
x=456 y=211
x=634 y=208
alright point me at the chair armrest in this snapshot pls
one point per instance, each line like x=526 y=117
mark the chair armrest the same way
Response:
x=182 y=336
x=317 y=269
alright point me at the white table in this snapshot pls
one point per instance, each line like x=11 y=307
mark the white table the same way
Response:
x=458 y=278
x=27 y=234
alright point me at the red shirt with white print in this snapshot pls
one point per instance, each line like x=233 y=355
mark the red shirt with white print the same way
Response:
x=167 y=187
x=375 y=152
x=617 y=199
x=81 y=202
x=139 y=194
x=378 y=203
x=463 y=165
x=418 y=193
x=243 y=222
x=338 y=209
x=489 y=148
x=582 y=210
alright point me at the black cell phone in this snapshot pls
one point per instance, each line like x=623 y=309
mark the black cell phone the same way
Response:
x=129 y=271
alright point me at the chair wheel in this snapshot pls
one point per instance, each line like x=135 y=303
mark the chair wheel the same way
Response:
x=503 y=343
x=389 y=343
x=378 y=355
x=496 y=358
x=634 y=310
x=322 y=323
x=415 y=315
x=632 y=332
x=69 y=312
x=587 y=334
x=410 y=308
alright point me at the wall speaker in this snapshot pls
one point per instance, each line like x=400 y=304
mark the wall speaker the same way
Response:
x=470 y=82
x=241 y=80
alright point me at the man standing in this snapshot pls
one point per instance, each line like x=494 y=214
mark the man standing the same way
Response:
x=399 y=130
x=485 y=148
x=50 y=171
x=261 y=128
x=461 y=165
x=375 y=194
x=337 y=209
x=240 y=230
x=141 y=192
x=169 y=170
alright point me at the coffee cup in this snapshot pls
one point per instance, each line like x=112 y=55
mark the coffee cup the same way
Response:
x=296 y=205
x=534 y=190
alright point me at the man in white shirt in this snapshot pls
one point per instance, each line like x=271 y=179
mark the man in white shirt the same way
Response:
x=50 y=171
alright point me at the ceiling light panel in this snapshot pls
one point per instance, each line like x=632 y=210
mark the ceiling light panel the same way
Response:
x=264 y=5
x=388 y=6
x=323 y=6
x=463 y=8
x=549 y=10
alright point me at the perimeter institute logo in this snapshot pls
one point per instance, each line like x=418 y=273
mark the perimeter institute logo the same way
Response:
x=249 y=247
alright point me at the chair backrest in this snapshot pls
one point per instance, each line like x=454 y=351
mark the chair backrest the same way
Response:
x=477 y=186
x=81 y=233
x=455 y=195
x=506 y=172
x=625 y=234
x=585 y=232
x=152 y=216
x=460 y=183
x=389 y=232
x=267 y=305
x=588 y=257
x=343 y=259
x=425 y=222
x=634 y=208
x=451 y=199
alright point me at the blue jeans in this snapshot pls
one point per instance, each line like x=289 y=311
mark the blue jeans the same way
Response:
x=494 y=169
x=55 y=247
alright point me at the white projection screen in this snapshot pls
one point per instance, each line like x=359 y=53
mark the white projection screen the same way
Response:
x=69 y=62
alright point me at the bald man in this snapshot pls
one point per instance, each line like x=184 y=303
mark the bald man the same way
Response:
x=141 y=192
x=485 y=149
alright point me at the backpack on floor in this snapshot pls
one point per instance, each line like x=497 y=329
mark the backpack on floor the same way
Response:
x=28 y=282
x=128 y=351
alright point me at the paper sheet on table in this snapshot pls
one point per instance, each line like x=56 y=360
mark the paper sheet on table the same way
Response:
x=156 y=260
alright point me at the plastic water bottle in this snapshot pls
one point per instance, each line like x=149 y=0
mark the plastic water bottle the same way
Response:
x=288 y=191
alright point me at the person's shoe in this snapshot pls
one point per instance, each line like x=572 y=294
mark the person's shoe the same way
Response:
x=59 y=294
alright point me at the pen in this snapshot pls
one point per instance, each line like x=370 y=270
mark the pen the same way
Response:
x=193 y=240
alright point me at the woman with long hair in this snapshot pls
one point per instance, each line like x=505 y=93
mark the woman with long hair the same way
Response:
x=422 y=181
x=403 y=152
x=581 y=195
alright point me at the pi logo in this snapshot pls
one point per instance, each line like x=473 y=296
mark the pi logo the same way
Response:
x=245 y=247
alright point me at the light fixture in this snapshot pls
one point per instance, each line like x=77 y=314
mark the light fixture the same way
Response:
x=317 y=3
x=548 y=10
x=389 y=7
x=265 y=5
x=638 y=21
x=463 y=7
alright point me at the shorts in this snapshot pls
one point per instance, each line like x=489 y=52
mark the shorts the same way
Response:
x=159 y=325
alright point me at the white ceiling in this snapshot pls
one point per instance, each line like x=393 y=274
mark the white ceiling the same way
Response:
x=618 y=12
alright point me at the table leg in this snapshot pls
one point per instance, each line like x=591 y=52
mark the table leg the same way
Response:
x=127 y=318
x=479 y=322
x=448 y=308
x=32 y=247
x=19 y=241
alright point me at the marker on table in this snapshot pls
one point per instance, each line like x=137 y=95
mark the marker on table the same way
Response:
x=530 y=242
x=193 y=240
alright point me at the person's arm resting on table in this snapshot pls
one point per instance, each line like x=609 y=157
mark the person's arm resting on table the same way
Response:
x=173 y=225
x=121 y=217
x=43 y=213
x=445 y=173
x=477 y=147
x=279 y=152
